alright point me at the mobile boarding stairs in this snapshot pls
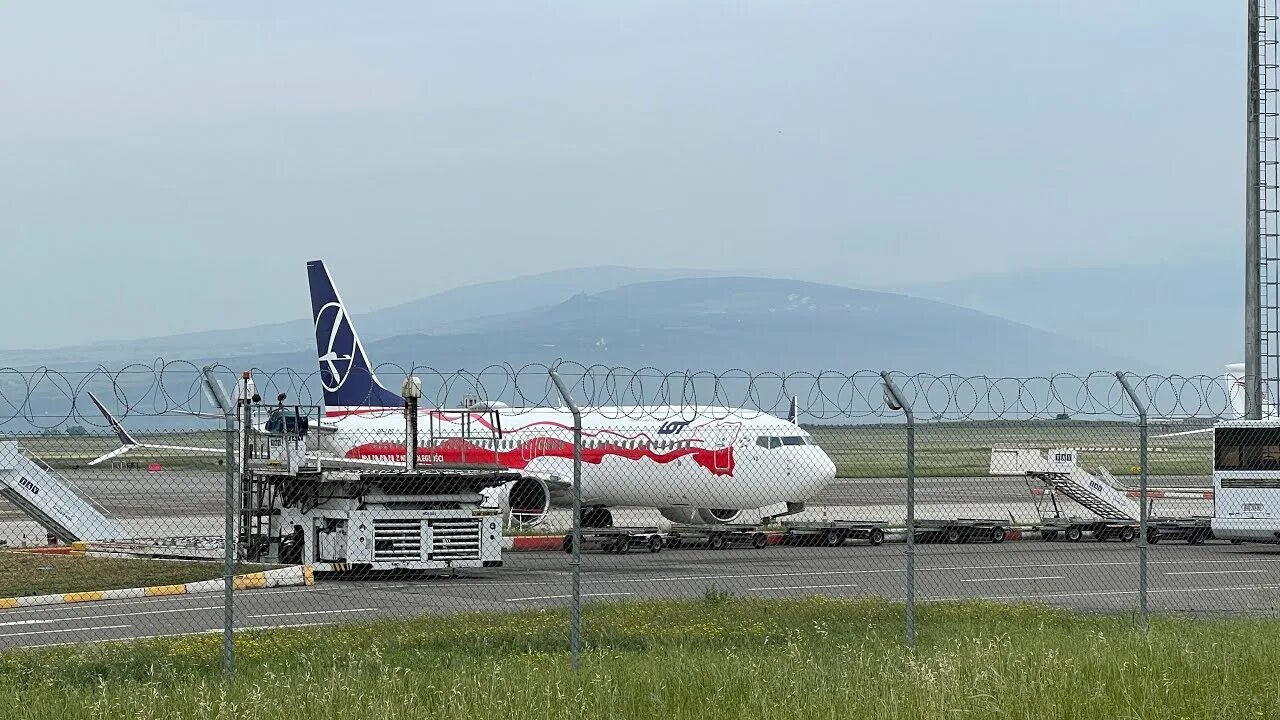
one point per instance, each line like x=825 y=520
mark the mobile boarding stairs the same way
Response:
x=50 y=499
x=1117 y=514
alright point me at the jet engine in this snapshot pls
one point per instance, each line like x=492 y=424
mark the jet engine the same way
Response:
x=708 y=516
x=523 y=503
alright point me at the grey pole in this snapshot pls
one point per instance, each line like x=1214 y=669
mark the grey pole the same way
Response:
x=228 y=542
x=1252 y=230
x=411 y=391
x=229 y=412
x=1142 y=494
x=896 y=401
x=575 y=560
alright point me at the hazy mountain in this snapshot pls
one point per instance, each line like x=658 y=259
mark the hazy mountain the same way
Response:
x=743 y=323
x=1176 y=317
x=698 y=324
x=438 y=313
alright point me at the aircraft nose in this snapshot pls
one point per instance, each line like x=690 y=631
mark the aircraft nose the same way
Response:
x=828 y=468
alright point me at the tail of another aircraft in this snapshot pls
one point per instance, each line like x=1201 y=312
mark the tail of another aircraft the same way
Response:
x=1233 y=378
x=345 y=372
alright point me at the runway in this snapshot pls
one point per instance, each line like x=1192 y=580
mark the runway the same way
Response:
x=1213 y=578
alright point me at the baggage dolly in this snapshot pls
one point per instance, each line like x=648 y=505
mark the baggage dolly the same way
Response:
x=1193 y=529
x=618 y=540
x=717 y=537
x=833 y=533
x=1073 y=529
x=961 y=530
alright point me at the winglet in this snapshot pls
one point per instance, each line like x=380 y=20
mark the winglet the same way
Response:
x=125 y=437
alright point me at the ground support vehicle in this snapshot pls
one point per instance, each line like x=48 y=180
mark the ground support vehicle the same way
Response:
x=1192 y=530
x=961 y=530
x=716 y=537
x=1074 y=529
x=618 y=539
x=833 y=533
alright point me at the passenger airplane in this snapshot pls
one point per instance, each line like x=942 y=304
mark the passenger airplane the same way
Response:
x=693 y=464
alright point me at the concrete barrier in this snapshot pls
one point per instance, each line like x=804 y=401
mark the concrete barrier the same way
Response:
x=281 y=577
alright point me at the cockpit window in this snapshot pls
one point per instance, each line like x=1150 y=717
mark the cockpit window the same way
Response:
x=770 y=442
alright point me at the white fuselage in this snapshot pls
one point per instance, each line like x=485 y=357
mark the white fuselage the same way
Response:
x=631 y=456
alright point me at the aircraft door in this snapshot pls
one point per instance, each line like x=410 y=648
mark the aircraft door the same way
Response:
x=723 y=453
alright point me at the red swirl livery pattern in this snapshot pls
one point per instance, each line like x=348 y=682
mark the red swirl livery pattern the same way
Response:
x=718 y=461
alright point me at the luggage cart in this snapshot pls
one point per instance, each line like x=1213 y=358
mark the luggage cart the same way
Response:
x=1075 y=528
x=618 y=540
x=1194 y=530
x=833 y=533
x=717 y=537
x=961 y=530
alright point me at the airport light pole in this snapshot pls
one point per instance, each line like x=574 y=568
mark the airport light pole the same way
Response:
x=1253 y=259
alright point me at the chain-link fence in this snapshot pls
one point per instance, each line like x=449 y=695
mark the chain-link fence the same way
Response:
x=168 y=501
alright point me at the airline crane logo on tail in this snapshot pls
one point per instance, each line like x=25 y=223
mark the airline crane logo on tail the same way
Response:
x=332 y=323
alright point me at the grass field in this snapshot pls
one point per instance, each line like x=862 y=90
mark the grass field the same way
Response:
x=964 y=449
x=717 y=658
x=24 y=573
x=960 y=449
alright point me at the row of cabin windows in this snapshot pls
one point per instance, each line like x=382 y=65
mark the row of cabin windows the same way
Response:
x=539 y=444
x=765 y=441
x=774 y=441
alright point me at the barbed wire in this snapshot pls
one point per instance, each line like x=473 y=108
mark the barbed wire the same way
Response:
x=47 y=398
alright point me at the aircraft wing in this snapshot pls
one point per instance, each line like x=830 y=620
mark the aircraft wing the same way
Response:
x=1184 y=432
x=128 y=442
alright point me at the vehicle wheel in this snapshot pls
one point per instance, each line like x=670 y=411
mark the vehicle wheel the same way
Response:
x=1128 y=534
x=1153 y=536
x=716 y=542
x=953 y=535
x=997 y=534
x=877 y=536
x=1073 y=534
x=831 y=538
x=568 y=543
x=759 y=540
x=655 y=543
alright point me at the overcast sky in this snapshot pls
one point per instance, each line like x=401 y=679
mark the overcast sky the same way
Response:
x=167 y=167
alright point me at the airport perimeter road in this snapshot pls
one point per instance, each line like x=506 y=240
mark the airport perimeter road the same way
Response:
x=1210 y=578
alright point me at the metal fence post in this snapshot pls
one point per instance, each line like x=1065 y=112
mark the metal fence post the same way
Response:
x=575 y=559
x=1142 y=493
x=896 y=401
x=229 y=533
